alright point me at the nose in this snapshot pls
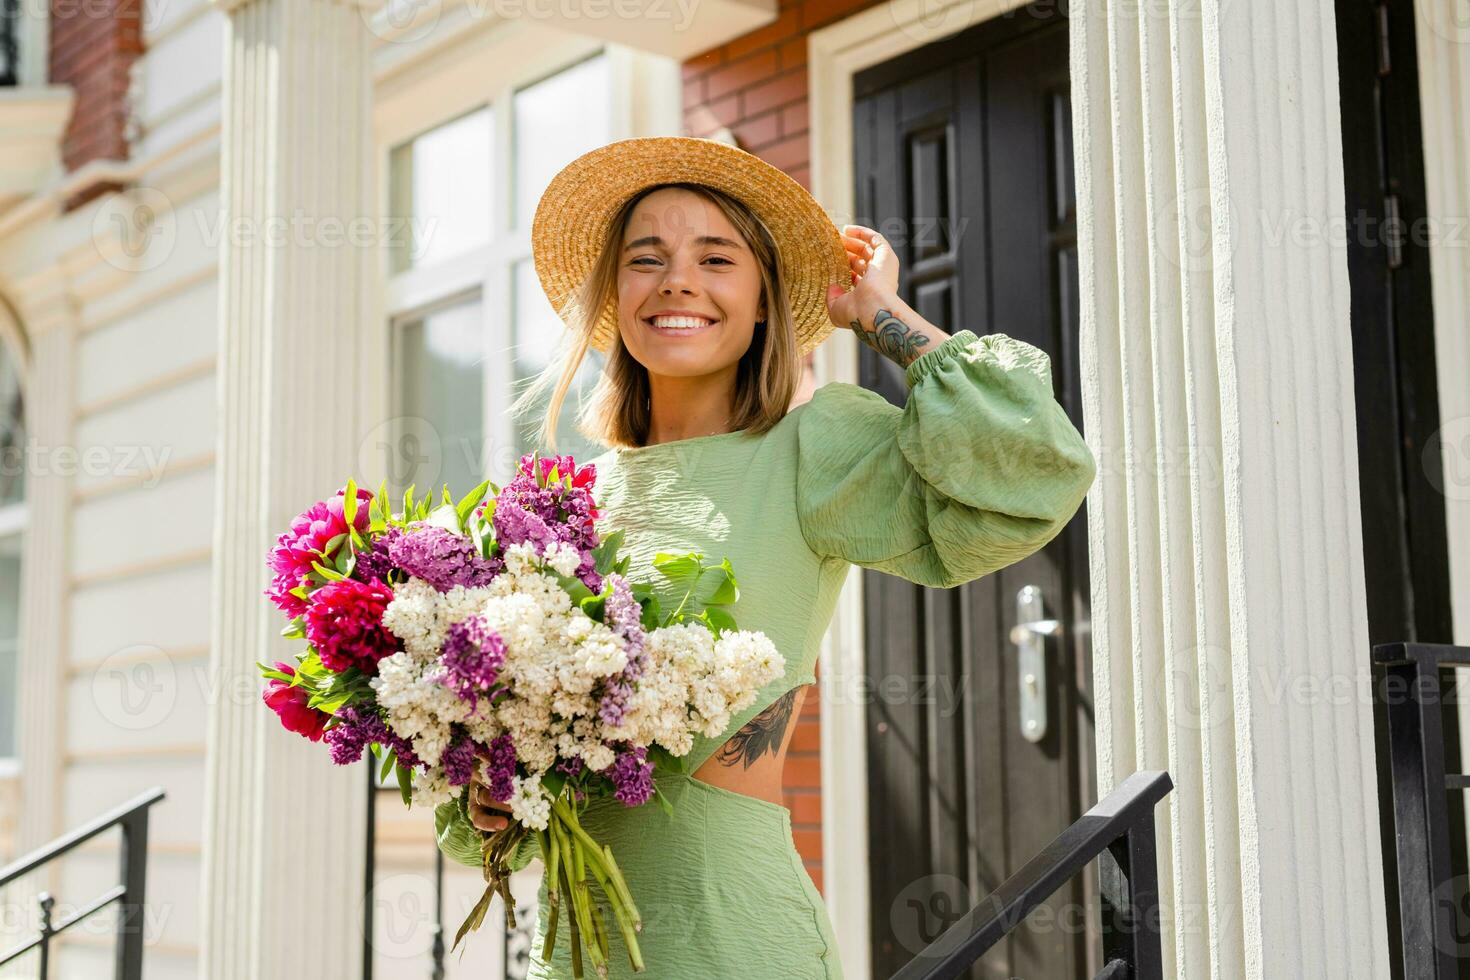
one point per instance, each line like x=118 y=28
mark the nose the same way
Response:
x=676 y=277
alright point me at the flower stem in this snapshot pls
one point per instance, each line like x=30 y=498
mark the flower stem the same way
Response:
x=602 y=856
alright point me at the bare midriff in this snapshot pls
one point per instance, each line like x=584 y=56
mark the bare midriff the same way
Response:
x=753 y=760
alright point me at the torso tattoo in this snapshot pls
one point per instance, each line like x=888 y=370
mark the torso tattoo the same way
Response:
x=892 y=338
x=765 y=732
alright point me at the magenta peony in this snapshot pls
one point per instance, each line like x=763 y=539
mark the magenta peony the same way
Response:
x=289 y=704
x=305 y=542
x=344 y=621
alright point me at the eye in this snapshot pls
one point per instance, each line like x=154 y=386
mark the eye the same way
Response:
x=721 y=258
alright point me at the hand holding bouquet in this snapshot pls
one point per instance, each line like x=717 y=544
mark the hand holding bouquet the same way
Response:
x=502 y=637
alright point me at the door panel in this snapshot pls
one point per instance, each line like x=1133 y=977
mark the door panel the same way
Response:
x=963 y=160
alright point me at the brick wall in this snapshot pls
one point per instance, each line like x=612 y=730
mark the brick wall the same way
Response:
x=92 y=48
x=757 y=86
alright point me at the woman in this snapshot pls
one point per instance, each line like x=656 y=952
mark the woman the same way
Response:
x=706 y=274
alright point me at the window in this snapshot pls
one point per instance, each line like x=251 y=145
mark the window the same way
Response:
x=12 y=522
x=469 y=322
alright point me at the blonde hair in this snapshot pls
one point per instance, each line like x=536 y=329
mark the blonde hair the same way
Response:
x=618 y=412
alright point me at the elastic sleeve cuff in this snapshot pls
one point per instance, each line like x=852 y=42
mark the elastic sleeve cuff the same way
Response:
x=926 y=362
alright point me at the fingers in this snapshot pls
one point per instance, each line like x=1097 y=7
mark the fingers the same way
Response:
x=485 y=812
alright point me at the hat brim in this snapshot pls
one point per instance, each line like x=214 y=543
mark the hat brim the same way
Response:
x=578 y=205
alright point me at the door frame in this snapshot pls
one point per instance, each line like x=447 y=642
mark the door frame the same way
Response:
x=834 y=54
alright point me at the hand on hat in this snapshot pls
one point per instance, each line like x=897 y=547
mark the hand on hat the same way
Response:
x=874 y=275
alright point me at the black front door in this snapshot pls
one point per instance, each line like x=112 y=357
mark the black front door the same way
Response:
x=964 y=161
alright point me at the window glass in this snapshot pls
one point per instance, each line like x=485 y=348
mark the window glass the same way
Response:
x=439 y=388
x=441 y=182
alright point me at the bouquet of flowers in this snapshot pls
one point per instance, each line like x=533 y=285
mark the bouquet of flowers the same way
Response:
x=502 y=635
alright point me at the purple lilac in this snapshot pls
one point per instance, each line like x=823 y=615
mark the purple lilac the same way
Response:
x=632 y=775
x=459 y=762
x=442 y=558
x=472 y=657
x=624 y=616
x=527 y=510
x=359 y=727
x=500 y=768
x=375 y=563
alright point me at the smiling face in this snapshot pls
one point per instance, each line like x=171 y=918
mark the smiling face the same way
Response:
x=689 y=287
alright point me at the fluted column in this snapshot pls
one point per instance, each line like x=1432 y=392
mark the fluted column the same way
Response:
x=1229 y=617
x=50 y=333
x=284 y=829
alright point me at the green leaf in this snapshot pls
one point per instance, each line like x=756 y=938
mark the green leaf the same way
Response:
x=405 y=781
x=719 y=620
x=295 y=630
x=408 y=507
x=349 y=502
x=333 y=542
x=389 y=762
x=271 y=673
x=447 y=498
x=327 y=573
x=467 y=504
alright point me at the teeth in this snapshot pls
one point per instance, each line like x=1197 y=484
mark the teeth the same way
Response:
x=680 y=322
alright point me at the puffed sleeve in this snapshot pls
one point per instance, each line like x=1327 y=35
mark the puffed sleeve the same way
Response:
x=460 y=840
x=979 y=469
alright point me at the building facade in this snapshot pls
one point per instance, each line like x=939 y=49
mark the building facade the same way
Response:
x=243 y=235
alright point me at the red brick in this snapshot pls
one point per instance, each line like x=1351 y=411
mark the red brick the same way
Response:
x=792 y=53
x=808 y=736
x=783 y=27
x=758 y=132
x=789 y=153
x=803 y=176
x=701 y=63
x=794 y=119
x=694 y=93
x=806 y=808
x=803 y=771
x=736 y=75
x=808 y=844
x=779 y=91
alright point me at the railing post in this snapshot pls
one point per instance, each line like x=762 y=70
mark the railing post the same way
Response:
x=370 y=860
x=1416 y=748
x=1129 y=883
x=46 y=902
x=132 y=916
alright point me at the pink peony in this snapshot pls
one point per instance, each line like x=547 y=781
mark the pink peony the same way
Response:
x=305 y=542
x=289 y=704
x=344 y=621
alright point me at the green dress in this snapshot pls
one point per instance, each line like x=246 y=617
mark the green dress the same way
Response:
x=979 y=469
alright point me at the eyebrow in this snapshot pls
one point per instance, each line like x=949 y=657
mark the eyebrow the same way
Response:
x=655 y=240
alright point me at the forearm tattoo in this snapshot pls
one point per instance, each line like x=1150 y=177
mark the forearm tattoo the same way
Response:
x=891 y=337
x=763 y=733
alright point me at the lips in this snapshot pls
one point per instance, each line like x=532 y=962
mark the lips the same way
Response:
x=680 y=324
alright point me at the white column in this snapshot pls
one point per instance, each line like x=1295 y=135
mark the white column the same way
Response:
x=284 y=829
x=1229 y=617
x=50 y=325
x=1442 y=35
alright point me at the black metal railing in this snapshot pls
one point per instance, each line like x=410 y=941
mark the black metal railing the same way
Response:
x=9 y=42
x=1119 y=831
x=130 y=894
x=1431 y=910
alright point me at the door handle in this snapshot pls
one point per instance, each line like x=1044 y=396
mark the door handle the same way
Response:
x=1029 y=636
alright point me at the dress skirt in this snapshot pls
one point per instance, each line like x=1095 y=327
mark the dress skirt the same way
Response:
x=720 y=886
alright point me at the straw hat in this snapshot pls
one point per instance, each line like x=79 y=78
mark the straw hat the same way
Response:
x=574 y=213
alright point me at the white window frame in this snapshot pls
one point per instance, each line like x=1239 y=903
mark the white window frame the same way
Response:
x=14 y=518
x=470 y=65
